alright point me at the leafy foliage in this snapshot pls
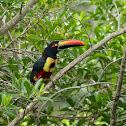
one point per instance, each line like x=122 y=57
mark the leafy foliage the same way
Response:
x=51 y=20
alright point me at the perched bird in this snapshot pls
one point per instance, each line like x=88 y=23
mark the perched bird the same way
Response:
x=44 y=66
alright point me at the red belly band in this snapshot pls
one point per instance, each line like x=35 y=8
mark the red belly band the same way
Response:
x=43 y=75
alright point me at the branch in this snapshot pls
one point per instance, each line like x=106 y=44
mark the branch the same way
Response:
x=83 y=27
x=118 y=121
x=106 y=68
x=17 y=18
x=35 y=116
x=118 y=90
x=109 y=12
x=7 y=65
x=77 y=87
x=111 y=50
x=19 y=52
x=24 y=31
x=8 y=35
x=117 y=14
x=63 y=117
x=21 y=115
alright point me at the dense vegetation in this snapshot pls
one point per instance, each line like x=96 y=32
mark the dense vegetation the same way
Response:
x=90 y=102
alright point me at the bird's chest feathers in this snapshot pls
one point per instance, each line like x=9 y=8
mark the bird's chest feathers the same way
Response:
x=50 y=64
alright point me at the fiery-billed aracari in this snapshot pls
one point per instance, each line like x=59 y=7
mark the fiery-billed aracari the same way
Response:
x=44 y=66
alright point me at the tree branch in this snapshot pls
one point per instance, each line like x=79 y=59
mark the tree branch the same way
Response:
x=17 y=50
x=17 y=18
x=23 y=52
x=77 y=87
x=21 y=115
x=118 y=90
x=36 y=117
x=118 y=121
x=25 y=30
x=8 y=35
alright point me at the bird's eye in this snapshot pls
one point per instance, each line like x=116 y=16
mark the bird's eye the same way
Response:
x=54 y=45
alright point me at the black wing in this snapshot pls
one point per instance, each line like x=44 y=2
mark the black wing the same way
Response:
x=38 y=66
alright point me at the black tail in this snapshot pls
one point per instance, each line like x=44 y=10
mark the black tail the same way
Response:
x=33 y=73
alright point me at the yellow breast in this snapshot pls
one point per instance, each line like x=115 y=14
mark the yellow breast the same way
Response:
x=50 y=64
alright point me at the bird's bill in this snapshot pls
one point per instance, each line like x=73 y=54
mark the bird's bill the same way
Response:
x=70 y=43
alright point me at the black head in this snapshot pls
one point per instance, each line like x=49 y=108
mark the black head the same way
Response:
x=54 y=47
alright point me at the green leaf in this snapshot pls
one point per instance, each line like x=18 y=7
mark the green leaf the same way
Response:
x=44 y=92
x=56 y=37
x=81 y=122
x=52 y=29
x=99 y=96
x=71 y=102
x=44 y=99
x=39 y=82
x=10 y=113
x=16 y=34
x=41 y=88
x=23 y=88
x=82 y=15
x=0 y=99
x=6 y=100
x=48 y=22
x=123 y=99
x=13 y=86
x=28 y=87
x=13 y=78
x=71 y=53
x=12 y=67
x=35 y=91
x=99 y=55
x=11 y=107
x=54 y=25
x=33 y=38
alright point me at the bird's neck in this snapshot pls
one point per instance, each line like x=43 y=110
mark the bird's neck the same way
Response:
x=49 y=55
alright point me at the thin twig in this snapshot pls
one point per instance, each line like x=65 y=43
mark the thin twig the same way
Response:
x=83 y=27
x=4 y=81
x=110 y=50
x=109 y=12
x=9 y=37
x=6 y=53
x=24 y=31
x=118 y=90
x=35 y=116
x=15 y=49
x=120 y=120
x=4 y=84
x=7 y=65
x=12 y=44
x=21 y=8
x=20 y=52
x=107 y=67
x=117 y=14
x=63 y=117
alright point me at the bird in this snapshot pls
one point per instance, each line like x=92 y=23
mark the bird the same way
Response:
x=46 y=64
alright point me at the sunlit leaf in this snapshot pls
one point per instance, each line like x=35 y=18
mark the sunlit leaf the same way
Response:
x=44 y=99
